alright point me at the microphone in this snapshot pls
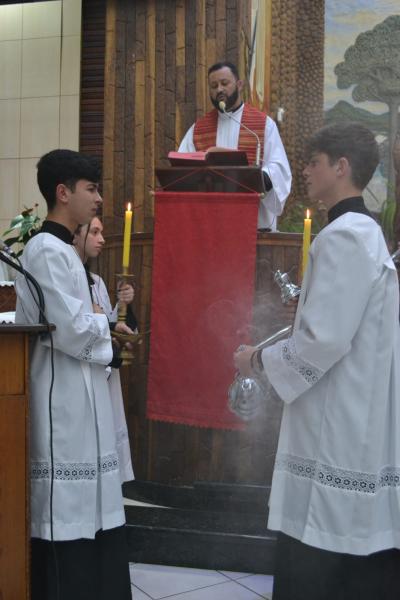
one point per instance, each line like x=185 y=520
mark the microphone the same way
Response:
x=222 y=107
x=7 y=249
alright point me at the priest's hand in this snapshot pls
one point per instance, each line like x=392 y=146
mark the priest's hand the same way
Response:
x=125 y=293
x=97 y=309
x=242 y=360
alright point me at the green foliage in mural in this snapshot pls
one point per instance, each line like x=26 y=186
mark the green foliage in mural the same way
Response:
x=372 y=66
x=293 y=220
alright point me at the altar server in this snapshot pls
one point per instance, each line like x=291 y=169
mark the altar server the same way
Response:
x=89 y=242
x=219 y=130
x=80 y=505
x=335 y=495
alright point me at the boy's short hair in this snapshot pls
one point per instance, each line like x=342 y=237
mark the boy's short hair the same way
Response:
x=220 y=65
x=352 y=141
x=67 y=167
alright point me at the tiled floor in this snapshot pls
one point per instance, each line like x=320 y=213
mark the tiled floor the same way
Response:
x=155 y=582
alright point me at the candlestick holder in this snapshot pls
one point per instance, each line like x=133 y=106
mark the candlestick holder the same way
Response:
x=127 y=354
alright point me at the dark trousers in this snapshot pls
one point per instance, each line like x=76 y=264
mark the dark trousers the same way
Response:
x=306 y=573
x=86 y=569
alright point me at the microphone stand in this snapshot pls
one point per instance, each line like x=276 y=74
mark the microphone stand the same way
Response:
x=222 y=106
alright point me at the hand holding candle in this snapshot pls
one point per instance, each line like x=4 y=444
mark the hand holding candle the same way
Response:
x=127 y=238
x=306 y=241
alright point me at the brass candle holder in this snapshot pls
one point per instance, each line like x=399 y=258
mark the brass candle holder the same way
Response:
x=134 y=339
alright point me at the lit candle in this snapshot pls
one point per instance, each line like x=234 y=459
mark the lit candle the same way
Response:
x=306 y=241
x=127 y=237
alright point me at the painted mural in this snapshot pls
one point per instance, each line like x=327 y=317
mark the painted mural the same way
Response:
x=362 y=79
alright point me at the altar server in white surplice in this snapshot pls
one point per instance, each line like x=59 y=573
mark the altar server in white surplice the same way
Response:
x=89 y=242
x=335 y=494
x=87 y=514
x=219 y=130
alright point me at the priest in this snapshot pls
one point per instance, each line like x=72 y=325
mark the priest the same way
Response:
x=335 y=497
x=79 y=547
x=223 y=128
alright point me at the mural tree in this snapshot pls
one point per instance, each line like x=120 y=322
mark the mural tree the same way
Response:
x=372 y=65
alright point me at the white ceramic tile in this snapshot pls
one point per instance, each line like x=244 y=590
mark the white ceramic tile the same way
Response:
x=222 y=591
x=139 y=595
x=41 y=19
x=261 y=584
x=69 y=122
x=71 y=65
x=159 y=581
x=72 y=17
x=11 y=22
x=9 y=128
x=39 y=126
x=9 y=188
x=129 y=502
x=10 y=69
x=234 y=574
x=40 y=67
x=29 y=193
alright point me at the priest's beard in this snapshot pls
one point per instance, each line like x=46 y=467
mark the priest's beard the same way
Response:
x=229 y=100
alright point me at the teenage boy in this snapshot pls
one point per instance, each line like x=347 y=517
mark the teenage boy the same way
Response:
x=77 y=514
x=335 y=495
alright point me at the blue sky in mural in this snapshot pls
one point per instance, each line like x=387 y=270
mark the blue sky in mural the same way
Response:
x=344 y=21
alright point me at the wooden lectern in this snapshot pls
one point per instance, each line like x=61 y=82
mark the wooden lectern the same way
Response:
x=14 y=460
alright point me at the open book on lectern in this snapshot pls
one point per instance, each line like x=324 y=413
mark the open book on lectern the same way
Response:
x=228 y=158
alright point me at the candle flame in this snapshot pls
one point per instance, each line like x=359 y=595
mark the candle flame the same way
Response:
x=129 y=206
x=308 y=213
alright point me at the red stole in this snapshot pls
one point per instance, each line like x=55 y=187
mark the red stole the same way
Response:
x=205 y=131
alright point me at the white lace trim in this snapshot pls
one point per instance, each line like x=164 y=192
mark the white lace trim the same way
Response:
x=87 y=352
x=75 y=471
x=343 y=479
x=310 y=373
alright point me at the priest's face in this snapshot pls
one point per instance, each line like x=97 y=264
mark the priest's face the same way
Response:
x=89 y=240
x=83 y=201
x=223 y=85
x=321 y=179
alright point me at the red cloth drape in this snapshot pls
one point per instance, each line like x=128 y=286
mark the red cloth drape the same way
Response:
x=202 y=299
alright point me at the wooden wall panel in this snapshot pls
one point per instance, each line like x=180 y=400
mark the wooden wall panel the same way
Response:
x=92 y=77
x=156 y=57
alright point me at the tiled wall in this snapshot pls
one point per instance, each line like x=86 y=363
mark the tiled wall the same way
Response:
x=40 y=47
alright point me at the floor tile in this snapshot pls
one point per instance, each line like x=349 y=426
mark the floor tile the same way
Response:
x=129 y=502
x=160 y=581
x=222 y=591
x=261 y=584
x=138 y=594
x=234 y=574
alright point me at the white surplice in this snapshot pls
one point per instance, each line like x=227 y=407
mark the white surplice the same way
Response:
x=101 y=297
x=274 y=163
x=336 y=482
x=87 y=489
